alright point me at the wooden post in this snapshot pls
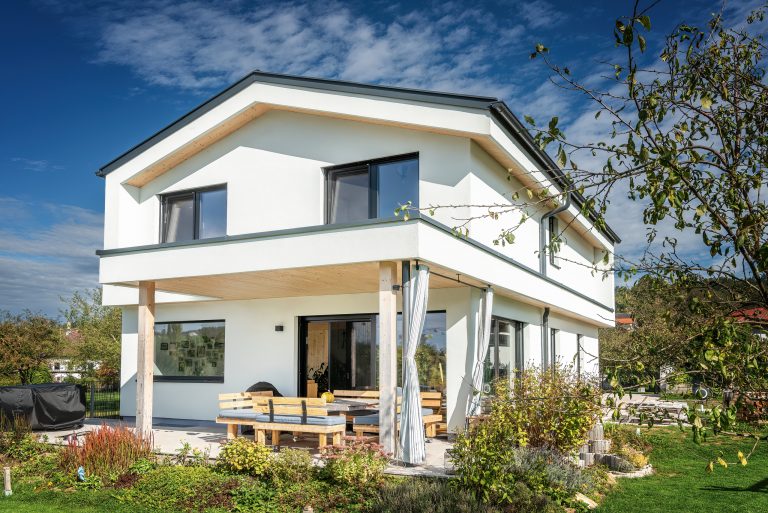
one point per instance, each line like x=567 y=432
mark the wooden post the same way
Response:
x=7 y=481
x=387 y=356
x=146 y=356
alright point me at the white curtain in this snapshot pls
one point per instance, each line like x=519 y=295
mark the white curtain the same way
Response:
x=481 y=349
x=411 y=423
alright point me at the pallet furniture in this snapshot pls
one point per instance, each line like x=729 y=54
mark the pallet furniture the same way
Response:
x=292 y=414
x=430 y=401
x=233 y=405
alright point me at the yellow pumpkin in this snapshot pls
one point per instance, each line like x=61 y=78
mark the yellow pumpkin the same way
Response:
x=327 y=396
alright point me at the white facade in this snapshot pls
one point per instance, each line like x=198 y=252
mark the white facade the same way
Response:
x=269 y=143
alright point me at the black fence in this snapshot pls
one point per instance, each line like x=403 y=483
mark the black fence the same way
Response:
x=102 y=399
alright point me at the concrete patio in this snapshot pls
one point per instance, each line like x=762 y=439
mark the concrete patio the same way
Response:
x=169 y=435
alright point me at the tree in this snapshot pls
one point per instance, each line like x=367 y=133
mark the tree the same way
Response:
x=95 y=332
x=687 y=137
x=26 y=341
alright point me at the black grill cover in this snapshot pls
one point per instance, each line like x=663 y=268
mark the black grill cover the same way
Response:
x=49 y=406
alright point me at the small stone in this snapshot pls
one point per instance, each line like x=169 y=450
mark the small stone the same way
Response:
x=586 y=500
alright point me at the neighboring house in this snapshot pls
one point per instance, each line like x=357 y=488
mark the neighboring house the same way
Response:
x=62 y=367
x=254 y=239
x=757 y=317
x=625 y=321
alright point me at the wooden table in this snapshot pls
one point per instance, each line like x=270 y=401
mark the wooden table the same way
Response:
x=346 y=405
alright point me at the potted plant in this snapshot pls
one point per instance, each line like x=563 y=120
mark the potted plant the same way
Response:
x=319 y=380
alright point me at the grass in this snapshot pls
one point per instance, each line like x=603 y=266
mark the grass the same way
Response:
x=681 y=483
x=27 y=500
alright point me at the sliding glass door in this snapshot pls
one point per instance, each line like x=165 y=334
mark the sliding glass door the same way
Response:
x=339 y=353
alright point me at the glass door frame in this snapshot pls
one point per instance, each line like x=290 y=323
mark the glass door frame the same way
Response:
x=302 y=342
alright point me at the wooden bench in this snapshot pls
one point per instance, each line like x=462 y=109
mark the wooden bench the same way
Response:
x=430 y=401
x=292 y=414
x=231 y=407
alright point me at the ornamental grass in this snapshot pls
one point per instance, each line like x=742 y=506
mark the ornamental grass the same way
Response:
x=106 y=452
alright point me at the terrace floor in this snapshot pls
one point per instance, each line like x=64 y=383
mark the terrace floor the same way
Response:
x=170 y=435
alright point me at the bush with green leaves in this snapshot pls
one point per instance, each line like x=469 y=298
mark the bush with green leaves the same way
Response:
x=182 y=488
x=358 y=464
x=292 y=466
x=550 y=411
x=244 y=456
x=548 y=471
x=17 y=443
x=415 y=495
x=323 y=495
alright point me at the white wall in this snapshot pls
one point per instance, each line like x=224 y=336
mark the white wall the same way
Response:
x=491 y=184
x=273 y=170
x=254 y=351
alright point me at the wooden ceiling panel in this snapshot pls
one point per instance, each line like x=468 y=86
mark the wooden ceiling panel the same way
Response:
x=313 y=281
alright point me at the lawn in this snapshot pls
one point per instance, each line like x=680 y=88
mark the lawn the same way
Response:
x=681 y=483
x=26 y=500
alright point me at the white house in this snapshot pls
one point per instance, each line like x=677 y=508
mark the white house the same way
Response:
x=254 y=239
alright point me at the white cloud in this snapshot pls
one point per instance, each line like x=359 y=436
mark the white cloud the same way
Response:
x=198 y=46
x=539 y=14
x=46 y=251
x=36 y=165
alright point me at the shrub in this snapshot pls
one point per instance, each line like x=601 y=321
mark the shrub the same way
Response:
x=178 y=488
x=323 y=496
x=292 y=466
x=552 y=407
x=254 y=497
x=625 y=436
x=635 y=458
x=548 y=471
x=105 y=453
x=358 y=464
x=245 y=457
x=418 y=495
x=550 y=410
x=188 y=456
x=16 y=439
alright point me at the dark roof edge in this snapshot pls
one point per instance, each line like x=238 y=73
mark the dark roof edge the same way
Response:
x=500 y=111
x=400 y=93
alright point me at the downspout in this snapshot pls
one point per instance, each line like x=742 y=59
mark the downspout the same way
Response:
x=543 y=232
x=545 y=339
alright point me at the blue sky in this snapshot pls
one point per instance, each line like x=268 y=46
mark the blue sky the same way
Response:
x=84 y=81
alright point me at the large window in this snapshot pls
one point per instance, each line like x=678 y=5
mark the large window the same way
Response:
x=505 y=351
x=197 y=214
x=373 y=189
x=430 y=354
x=189 y=351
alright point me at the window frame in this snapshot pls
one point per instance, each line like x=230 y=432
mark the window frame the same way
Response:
x=372 y=168
x=196 y=192
x=517 y=345
x=190 y=379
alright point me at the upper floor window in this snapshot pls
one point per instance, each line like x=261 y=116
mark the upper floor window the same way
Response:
x=372 y=189
x=196 y=214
